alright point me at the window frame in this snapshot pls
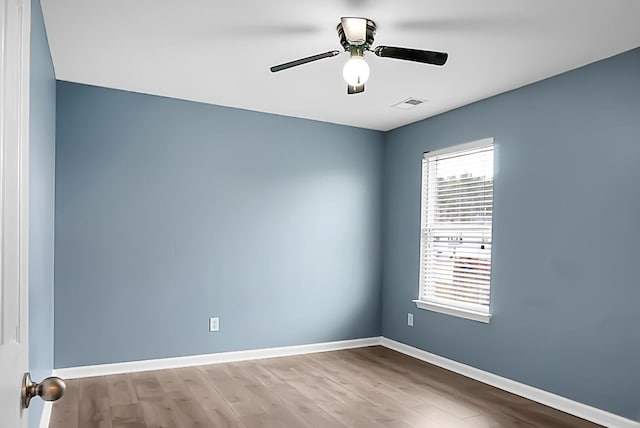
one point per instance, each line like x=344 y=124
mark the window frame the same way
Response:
x=436 y=304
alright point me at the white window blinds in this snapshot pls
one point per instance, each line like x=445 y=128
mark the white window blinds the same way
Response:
x=457 y=208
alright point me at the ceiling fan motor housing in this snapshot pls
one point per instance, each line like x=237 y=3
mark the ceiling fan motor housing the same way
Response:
x=348 y=46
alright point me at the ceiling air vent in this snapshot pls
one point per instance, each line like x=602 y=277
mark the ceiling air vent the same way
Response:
x=409 y=103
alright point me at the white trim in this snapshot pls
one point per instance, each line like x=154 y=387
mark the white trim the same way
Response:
x=46 y=415
x=450 y=310
x=563 y=404
x=459 y=147
x=222 y=357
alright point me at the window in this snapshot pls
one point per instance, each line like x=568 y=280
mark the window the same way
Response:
x=455 y=243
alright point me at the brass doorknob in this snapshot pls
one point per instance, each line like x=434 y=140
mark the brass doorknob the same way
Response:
x=50 y=389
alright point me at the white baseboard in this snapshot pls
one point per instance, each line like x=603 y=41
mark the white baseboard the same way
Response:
x=221 y=357
x=45 y=418
x=563 y=404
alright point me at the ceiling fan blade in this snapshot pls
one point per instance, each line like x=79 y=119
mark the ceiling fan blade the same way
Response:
x=416 y=55
x=351 y=90
x=301 y=61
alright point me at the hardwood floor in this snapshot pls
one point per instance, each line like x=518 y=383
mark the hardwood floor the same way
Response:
x=366 y=387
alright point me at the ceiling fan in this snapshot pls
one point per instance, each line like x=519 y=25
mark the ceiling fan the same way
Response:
x=356 y=37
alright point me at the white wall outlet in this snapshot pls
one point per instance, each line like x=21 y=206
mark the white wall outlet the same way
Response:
x=214 y=324
x=410 y=319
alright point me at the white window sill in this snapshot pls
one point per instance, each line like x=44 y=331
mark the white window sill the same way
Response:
x=457 y=312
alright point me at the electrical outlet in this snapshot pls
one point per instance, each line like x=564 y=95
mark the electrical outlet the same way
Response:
x=410 y=319
x=214 y=324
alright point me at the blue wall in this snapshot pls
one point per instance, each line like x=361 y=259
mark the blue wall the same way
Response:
x=169 y=212
x=565 y=287
x=41 y=201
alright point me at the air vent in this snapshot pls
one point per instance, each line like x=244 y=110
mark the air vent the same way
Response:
x=409 y=103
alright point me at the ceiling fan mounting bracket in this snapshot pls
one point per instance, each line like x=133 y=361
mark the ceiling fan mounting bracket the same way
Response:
x=371 y=33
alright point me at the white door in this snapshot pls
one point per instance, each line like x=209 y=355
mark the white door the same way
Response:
x=14 y=217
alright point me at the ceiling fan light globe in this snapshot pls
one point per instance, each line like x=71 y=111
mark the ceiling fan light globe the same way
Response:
x=356 y=71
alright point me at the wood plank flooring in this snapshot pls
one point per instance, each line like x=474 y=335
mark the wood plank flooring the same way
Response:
x=367 y=387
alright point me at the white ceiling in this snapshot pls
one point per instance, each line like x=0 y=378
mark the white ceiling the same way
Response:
x=220 y=51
